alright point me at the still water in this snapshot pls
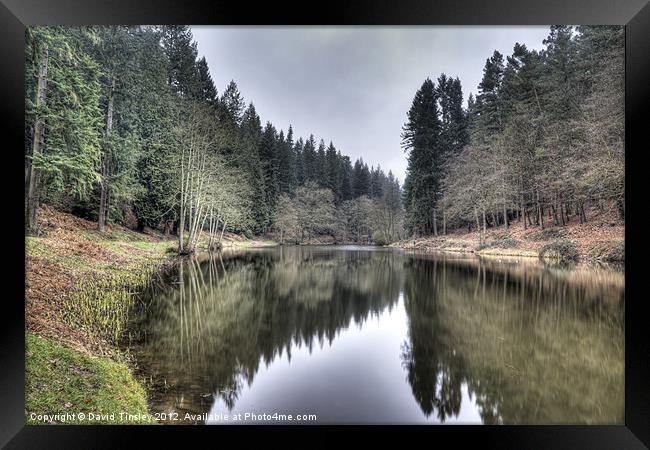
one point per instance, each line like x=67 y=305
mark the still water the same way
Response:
x=364 y=335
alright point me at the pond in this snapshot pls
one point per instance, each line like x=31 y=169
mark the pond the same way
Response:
x=359 y=335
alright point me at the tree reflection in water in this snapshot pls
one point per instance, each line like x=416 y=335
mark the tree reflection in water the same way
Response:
x=528 y=343
x=534 y=344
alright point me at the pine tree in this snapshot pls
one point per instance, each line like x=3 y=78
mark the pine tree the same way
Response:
x=345 y=178
x=207 y=90
x=300 y=165
x=421 y=139
x=488 y=108
x=183 y=76
x=269 y=145
x=251 y=132
x=360 y=179
x=149 y=112
x=376 y=182
x=309 y=160
x=333 y=171
x=232 y=103
x=286 y=163
x=63 y=118
x=562 y=88
x=321 y=165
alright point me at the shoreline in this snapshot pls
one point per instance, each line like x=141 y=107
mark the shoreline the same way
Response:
x=79 y=288
x=600 y=241
x=72 y=268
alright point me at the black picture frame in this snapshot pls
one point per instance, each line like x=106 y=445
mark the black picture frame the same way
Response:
x=15 y=15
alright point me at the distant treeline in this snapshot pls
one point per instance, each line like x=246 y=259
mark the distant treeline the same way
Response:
x=124 y=124
x=543 y=138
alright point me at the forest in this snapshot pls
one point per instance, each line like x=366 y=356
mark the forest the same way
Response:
x=544 y=137
x=125 y=125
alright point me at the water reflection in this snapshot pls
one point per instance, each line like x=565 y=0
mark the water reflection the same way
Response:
x=356 y=335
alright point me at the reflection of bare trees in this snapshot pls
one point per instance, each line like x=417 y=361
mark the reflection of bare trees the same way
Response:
x=530 y=344
x=221 y=315
x=532 y=347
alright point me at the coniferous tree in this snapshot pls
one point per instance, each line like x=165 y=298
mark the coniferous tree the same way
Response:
x=183 y=76
x=232 y=103
x=488 y=109
x=300 y=164
x=287 y=163
x=251 y=132
x=360 y=179
x=421 y=139
x=332 y=168
x=345 y=180
x=376 y=182
x=63 y=118
x=268 y=152
x=321 y=165
x=207 y=90
x=309 y=160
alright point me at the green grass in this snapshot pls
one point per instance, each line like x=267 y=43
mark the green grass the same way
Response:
x=60 y=380
x=101 y=300
x=101 y=304
x=37 y=247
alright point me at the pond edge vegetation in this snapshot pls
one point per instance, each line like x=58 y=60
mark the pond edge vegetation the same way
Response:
x=81 y=285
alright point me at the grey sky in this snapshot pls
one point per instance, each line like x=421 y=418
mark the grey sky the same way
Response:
x=350 y=85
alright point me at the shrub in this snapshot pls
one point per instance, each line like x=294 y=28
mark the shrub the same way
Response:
x=380 y=240
x=544 y=235
x=499 y=235
x=507 y=242
x=609 y=251
x=562 y=249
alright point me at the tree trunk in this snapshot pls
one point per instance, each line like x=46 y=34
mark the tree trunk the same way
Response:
x=435 y=226
x=222 y=231
x=484 y=226
x=181 y=231
x=444 y=222
x=554 y=212
x=104 y=184
x=620 y=204
x=505 y=215
x=211 y=229
x=478 y=226
x=540 y=210
x=38 y=143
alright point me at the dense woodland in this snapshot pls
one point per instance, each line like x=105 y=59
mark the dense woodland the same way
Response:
x=542 y=139
x=125 y=125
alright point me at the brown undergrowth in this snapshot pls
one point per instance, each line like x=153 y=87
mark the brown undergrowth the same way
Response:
x=68 y=253
x=600 y=239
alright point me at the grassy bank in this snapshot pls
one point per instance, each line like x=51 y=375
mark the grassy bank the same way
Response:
x=60 y=380
x=601 y=239
x=80 y=284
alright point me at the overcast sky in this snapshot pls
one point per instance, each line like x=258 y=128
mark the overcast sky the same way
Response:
x=350 y=85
